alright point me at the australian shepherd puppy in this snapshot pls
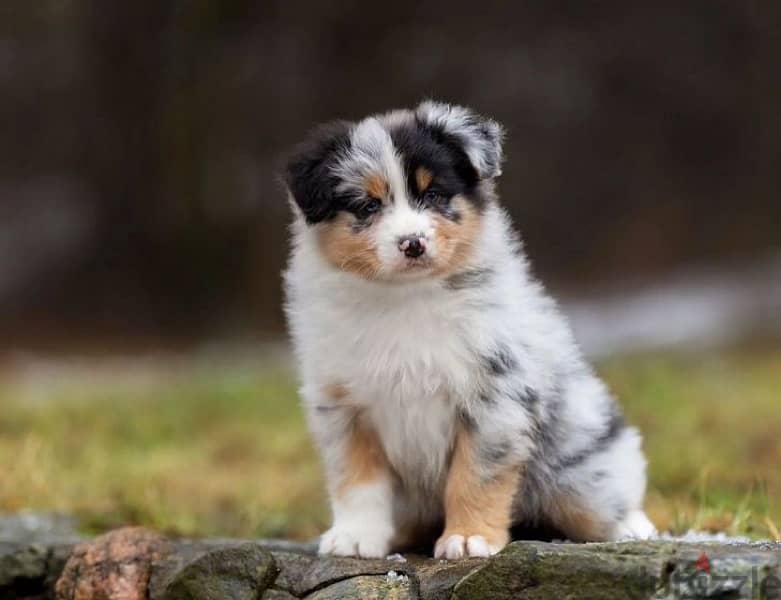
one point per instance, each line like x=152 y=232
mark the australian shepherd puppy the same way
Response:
x=442 y=385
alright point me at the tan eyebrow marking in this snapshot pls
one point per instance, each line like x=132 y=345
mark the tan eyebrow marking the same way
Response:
x=376 y=186
x=423 y=177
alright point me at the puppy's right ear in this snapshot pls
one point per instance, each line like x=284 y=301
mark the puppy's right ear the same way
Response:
x=309 y=173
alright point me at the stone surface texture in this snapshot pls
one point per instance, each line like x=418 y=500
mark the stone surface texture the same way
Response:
x=132 y=563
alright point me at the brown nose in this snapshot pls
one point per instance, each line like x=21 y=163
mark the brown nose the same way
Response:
x=412 y=246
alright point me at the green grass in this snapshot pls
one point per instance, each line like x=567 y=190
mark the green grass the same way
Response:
x=226 y=453
x=217 y=454
x=712 y=430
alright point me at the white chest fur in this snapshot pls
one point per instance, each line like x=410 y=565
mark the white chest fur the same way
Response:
x=405 y=357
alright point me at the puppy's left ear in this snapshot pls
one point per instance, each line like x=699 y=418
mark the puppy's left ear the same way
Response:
x=480 y=137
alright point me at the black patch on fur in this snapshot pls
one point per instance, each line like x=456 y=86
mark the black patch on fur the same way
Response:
x=501 y=362
x=546 y=433
x=526 y=397
x=473 y=127
x=615 y=425
x=309 y=176
x=494 y=452
x=471 y=278
x=442 y=154
x=467 y=420
x=620 y=512
x=486 y=398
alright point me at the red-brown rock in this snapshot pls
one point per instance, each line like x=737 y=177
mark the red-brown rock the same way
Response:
x=114 y=566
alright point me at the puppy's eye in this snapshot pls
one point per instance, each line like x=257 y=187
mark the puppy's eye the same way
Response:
x=433 y=197
x=369 y=208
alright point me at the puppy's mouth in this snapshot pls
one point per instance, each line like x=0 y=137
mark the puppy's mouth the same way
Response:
x=415 y=266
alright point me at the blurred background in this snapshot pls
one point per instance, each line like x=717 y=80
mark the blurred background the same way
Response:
x=144 y=371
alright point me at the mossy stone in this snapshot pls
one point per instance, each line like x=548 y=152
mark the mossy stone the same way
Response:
x=240 y=572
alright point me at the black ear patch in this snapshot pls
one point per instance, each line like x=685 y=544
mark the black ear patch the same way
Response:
x=480 y=137
x=309 y=174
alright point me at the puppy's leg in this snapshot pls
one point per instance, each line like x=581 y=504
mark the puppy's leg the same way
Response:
x=599 y=496
x=359 y=483
x=478 y=501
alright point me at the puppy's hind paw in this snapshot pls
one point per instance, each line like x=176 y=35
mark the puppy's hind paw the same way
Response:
x=636 y=526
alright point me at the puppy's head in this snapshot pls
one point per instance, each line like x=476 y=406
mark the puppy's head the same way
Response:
x=399 y=195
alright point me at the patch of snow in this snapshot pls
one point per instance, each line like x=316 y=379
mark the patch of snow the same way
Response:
x=394 y=577
x=396 y=557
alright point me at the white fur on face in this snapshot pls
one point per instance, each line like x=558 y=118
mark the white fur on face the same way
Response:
x=398 y=221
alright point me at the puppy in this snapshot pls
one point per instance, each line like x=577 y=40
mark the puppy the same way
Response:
x=441 y=384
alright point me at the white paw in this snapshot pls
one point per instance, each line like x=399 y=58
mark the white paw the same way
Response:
x=342 y=541
x=457 y=546
x=636 y=526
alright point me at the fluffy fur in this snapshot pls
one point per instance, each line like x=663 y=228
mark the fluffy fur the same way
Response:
x=442 y=385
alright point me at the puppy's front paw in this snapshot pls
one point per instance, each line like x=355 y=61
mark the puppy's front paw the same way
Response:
x=346 y=541
x=456 y=545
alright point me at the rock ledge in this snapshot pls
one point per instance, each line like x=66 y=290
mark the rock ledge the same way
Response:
x=135 y=563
